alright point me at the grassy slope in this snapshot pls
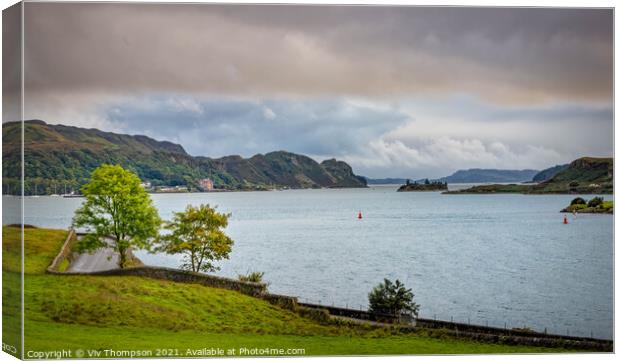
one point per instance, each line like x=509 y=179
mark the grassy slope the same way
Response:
x=91 y=312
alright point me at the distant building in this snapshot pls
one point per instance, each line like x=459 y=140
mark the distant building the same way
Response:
x=175 y=189
x=145 y=185
x=206 y=184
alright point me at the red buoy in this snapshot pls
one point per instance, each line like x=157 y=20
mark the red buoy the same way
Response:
x=565 y=220
x=359 y=215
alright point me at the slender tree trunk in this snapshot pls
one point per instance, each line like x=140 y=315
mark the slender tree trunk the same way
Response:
x=122 y=257
x=122 y=253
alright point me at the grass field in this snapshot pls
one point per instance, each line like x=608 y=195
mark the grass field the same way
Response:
x=132 y=313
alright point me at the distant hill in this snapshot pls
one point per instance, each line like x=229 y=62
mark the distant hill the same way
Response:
x=386 y=180
x=59 y=155
x=477 y=175
x=548 y=173
x=585 y=175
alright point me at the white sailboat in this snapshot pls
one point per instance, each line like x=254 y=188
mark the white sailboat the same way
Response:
x=54 y=194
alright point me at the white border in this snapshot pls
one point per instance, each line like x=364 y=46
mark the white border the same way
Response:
x=478 y=3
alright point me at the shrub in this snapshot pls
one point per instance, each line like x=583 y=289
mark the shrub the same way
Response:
x=578 y=200
x=392 y=298
x=595 y=202
x=573 y=184
x=577 y=207
x=252 y=277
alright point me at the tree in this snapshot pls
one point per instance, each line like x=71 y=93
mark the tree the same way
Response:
x=392 y=298
x=595 y=202
x=197 y=234
x=578 y=200
x=116 y=206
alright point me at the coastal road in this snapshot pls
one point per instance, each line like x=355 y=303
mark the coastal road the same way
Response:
x=101 y=260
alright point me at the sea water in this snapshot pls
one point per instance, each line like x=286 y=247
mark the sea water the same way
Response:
x=502 y=260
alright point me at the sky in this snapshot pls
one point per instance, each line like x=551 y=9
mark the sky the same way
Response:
x=394 y=91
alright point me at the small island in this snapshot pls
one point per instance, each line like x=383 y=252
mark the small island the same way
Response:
x=594 y=205
x=426 y=186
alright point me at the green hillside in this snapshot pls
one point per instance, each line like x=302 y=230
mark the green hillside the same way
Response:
x=133 y=313
x=59 y=155
x=585 y=175
x=548 y=173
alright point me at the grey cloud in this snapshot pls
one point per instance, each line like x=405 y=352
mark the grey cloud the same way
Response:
x=503 y=55
x=218 y=127
x=393 y=90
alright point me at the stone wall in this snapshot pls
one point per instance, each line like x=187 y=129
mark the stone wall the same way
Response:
x=438 y=328
x=287 y=302
x=536 y=340
x=352 y=313
x=464 y=327
x=65 y=252
x=175 y=275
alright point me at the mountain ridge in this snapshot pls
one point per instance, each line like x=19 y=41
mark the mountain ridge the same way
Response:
x=487 y=175
x=59 y=154
x=549 y=173
x=585 y=175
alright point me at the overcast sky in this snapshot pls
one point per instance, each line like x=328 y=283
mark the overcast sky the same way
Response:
x=394 y=91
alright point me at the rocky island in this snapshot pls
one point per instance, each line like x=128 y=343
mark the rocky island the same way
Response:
x=426 y=186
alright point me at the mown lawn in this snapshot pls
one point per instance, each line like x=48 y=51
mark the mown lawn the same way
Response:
x=132 y=313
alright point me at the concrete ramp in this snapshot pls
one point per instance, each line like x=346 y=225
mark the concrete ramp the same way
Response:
x=102 y=259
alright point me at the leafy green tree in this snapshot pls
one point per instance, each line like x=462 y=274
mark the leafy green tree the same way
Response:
x=116 y=206
x=392 y=298
x=198 y=234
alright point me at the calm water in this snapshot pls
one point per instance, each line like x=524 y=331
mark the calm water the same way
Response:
x=487 y=258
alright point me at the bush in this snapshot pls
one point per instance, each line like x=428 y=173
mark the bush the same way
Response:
x=595 y=202
x=392 y=298
x=256 y=277
x=576 y=207
x=578 y=200
x=573 y=184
